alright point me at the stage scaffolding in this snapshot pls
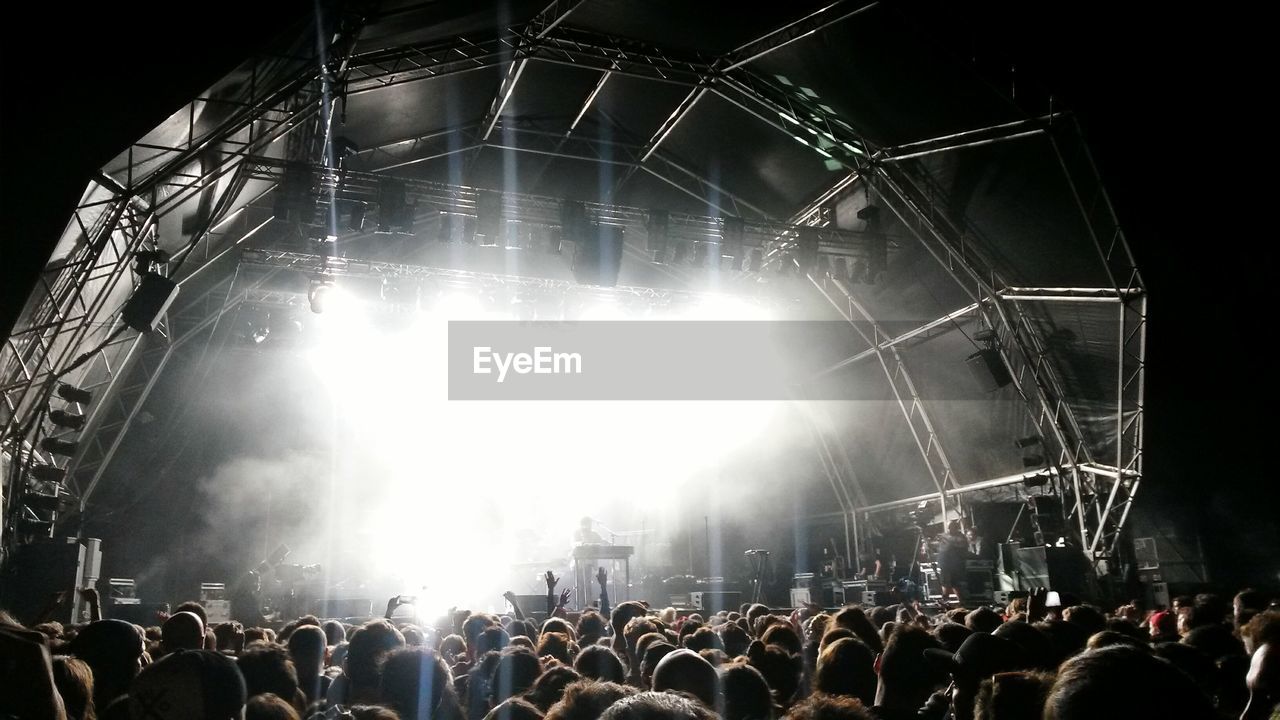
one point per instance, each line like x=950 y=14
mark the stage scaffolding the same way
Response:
x=229 y=152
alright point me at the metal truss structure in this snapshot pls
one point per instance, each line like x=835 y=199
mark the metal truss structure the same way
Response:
x=71 y=331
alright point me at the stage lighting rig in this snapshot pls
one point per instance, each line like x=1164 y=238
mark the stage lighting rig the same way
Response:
x=148 y=261
x=58 y=446
x=68 y=420
x=318 y=293
x=47 y=473
x=71 y=393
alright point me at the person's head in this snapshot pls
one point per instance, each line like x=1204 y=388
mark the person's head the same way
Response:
x=1107 y=638
x=733 y=638
x=548 y=689
x=598 y=662
x=1263 y=681
x=452 y=647
x=591 y=627
x=1067 y=639
x=657 y=706
x=113 y=650
x=473 y=626
x=906 y=679
x=847 y=667
x=820 y=706
x=196 y=609
x=587 y=700
x=624 y=613
x=269 y=706
x=560 y=625
x=267 y=669
x=307 y=646
x=1163 y=625
x=951 y=636
x=1012 y=696
x=189 y=685
x=780 y=669
x=953 y=527
x=1036 y=646
x=228 y=637
x=1264 y=628
x=784 y=637
x=492 y=638
x=366 y=651
x=1191 y=661
x=1215 y=641
x=982 y=619
x=746 y=694
x=1245 y=605
x=334 y=632
x=416 y=683
x=980 y=656
x=1109 y=682
x=518 y=668
x=182 y=631
x=652 y=656
x=635 y=629
x=74 y=681
x=753 y=612
x=1086 y=617
x=557 y=645
x=686 y=671
x=704 y=638
x=514 y=709
x=855 y=619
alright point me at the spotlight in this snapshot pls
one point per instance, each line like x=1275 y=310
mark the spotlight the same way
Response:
x=1027 y=442
x=47 y=503
x=1037 y=480
x=62 y=418
x=57 y=446
x=71 y=393
x=47 y=473
x=35 y=526
x=318 y=294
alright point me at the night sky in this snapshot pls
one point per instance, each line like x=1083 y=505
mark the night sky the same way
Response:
x=1170 y=103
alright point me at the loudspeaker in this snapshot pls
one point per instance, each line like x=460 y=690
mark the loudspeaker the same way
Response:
x=149 y=301
x=1061 y=569
x=34 y=573
x=988 y=369
x=597 y=257
x=714 y=601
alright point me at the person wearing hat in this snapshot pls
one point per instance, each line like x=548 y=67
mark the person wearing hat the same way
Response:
x=979 y=657
x=113 y=650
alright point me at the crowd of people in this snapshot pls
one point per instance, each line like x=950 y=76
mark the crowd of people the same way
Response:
x=1206 y=657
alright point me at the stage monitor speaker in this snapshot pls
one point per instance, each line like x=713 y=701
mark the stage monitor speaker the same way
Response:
x=149 y=301
x=988 y=369
x=714 y=601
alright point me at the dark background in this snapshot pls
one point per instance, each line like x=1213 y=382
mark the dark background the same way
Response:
x=1171 y=102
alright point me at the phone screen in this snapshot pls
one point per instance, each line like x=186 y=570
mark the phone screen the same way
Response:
x=1052 y=599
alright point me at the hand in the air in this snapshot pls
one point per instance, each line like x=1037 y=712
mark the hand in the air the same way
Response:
x=509 y=597
x=552 y=580
x=602 y=577
x=564 y=596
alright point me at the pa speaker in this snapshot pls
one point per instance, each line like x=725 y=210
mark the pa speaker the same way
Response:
x=597 y=257
x=149 y=302
x=988 y=369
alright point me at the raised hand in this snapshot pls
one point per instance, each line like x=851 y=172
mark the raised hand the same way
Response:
x=602 y=577
x=509 y=596
x=552 y=581
x=564 y=597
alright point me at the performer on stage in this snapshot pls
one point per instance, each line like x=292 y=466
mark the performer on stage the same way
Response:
x=585 y=570
x=951 y=559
